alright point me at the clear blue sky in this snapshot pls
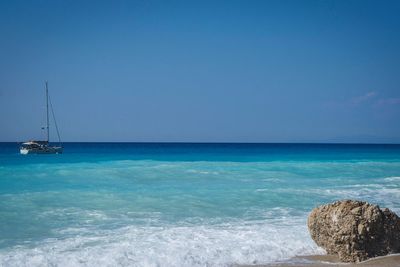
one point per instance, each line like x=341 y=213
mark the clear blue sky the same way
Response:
x=231 y=71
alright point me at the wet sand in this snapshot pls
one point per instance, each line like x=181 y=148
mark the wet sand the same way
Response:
x=333 y=261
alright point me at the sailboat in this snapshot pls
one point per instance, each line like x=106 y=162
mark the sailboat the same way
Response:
x=44 y=147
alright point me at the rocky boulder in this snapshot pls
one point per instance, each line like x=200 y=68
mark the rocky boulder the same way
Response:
x=355 y=230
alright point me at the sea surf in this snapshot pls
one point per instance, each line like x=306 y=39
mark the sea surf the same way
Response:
x=166 y=204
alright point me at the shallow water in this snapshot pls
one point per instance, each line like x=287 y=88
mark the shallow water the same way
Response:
x=154 y=204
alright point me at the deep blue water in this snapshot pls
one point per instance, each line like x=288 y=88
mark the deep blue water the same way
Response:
x=180 y=204
x=75 y=152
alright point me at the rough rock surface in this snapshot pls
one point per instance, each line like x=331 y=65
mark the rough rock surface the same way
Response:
x=355 y=230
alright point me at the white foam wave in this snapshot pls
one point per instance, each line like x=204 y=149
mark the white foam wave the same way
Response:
x=392 y=179
x=220 y=245
x=203 y=172
x=274 y=180
x=262 y=190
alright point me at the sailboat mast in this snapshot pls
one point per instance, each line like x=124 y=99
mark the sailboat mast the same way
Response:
x=47 y=113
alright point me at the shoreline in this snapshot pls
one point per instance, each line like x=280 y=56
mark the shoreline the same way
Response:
x=392 y=260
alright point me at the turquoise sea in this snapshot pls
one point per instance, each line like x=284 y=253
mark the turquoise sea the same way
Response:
x=180 y=204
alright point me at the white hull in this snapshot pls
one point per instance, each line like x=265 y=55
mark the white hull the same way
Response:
x=44 y=150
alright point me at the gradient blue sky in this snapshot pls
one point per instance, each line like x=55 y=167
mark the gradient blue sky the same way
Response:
x=207 y=71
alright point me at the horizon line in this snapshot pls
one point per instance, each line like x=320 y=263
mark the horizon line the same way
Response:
x=217 y=142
